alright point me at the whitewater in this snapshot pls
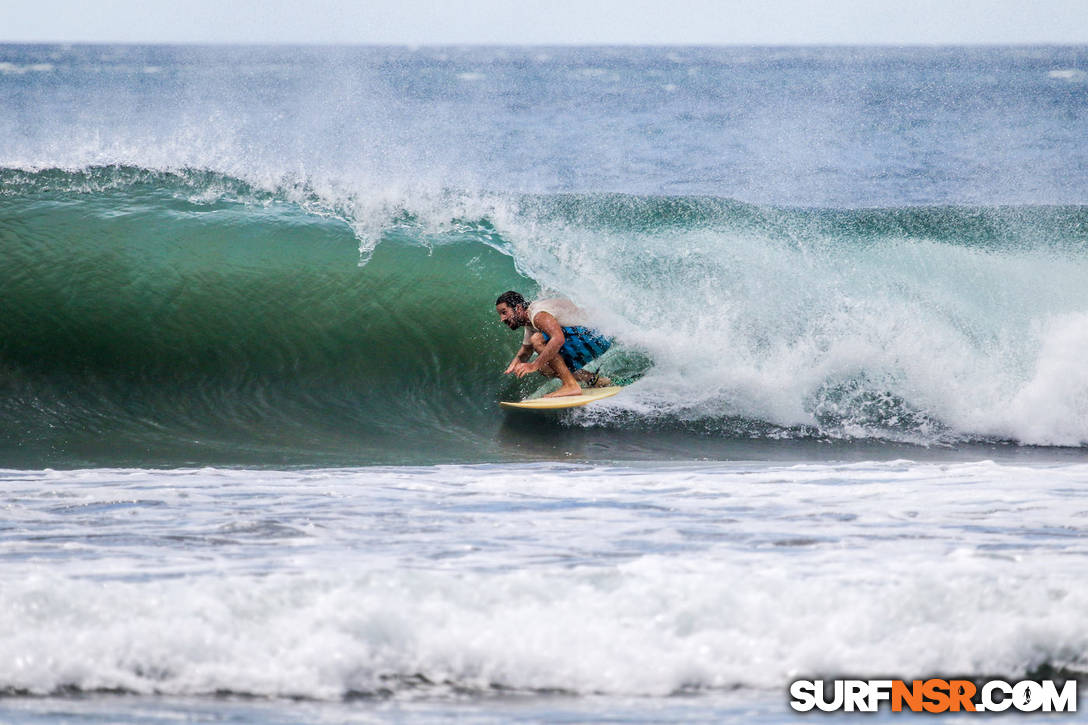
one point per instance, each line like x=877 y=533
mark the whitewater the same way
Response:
x=253 y=464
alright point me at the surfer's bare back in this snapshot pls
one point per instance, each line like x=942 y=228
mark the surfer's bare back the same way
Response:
x=556 y=330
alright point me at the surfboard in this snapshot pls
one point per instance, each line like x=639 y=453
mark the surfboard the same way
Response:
x=567 y=401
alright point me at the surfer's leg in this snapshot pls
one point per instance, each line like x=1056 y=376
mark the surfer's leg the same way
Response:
x=584 y=345
x=557 y=367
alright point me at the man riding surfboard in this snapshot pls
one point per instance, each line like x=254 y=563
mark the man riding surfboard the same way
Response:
x=556 y=330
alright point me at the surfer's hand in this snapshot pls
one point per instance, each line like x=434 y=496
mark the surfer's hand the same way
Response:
x=523 y=369
x=510 y=368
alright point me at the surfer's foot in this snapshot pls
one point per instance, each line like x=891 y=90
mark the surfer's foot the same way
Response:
x=573 y=389
x=593 y=380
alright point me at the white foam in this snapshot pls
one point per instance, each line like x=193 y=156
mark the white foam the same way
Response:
x=742 y=325
x=9 y=68
x=655 y=626
x=1052 y=406
x=1068 y=74
x=640 y=581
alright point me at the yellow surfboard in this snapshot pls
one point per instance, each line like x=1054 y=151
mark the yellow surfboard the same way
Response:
x=567 y=401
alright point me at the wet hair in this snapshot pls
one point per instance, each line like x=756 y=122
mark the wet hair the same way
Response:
x=511 y=299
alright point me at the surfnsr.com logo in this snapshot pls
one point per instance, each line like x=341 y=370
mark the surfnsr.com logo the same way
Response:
x=933 y=695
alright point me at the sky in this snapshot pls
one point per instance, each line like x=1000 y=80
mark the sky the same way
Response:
x=548 y=22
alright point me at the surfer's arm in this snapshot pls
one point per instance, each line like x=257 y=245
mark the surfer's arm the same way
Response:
x=524 y=352
x=546 y=323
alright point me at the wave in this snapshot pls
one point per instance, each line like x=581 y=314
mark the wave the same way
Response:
x=185 y=314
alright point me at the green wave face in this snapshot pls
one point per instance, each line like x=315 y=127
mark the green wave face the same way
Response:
x=186 y=317
x=143 y=325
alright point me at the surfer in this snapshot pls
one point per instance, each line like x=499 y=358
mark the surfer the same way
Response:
x=555 y=329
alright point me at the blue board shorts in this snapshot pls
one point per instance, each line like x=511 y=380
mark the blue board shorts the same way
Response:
x=582 y=345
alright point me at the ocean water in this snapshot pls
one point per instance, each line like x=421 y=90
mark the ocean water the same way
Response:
x=254 y=470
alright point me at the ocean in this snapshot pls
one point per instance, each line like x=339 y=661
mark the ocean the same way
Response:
x=253 y=466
